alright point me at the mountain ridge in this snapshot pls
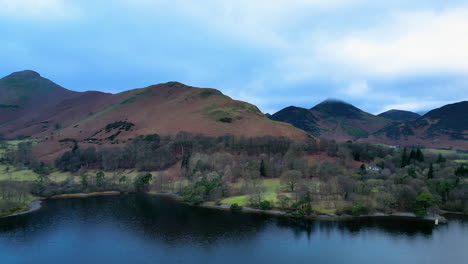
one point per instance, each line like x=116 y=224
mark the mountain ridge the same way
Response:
x=65 y=116
x=332 y=119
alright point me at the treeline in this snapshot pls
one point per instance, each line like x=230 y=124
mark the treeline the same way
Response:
x=155 y=152
x=315 y=176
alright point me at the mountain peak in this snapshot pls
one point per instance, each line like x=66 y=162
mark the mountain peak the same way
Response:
x=334 y=101
x=24 y=74
x=338 y=108
x=22 y=86
x=399 y=115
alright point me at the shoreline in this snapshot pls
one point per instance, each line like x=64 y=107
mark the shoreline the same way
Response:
x=32 y=206
x=82 y=195
x=245 y=209
x=36 y=205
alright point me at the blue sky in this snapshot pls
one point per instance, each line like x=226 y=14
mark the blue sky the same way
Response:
x=376 y=54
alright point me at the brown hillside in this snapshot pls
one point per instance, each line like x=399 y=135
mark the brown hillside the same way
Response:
x=60 y=117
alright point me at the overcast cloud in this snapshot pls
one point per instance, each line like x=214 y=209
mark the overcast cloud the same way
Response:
x=375 y=54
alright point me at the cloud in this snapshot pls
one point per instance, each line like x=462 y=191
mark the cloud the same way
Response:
x=411 y=42
x=415 y=105
x=261 y=22
x=357 y=89
x=37 y=9
x=374 y=53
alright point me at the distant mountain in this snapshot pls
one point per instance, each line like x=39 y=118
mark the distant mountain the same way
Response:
x=28 y=87
x=339 y=109
x=31 y=105
x=299 y=117
x=445 y=127
x=27 y=90
x=333 y=119
x=399 y=115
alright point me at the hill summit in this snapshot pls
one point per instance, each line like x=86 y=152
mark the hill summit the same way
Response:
x=399 y=115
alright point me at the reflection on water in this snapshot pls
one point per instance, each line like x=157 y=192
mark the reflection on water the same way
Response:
x=145 y=229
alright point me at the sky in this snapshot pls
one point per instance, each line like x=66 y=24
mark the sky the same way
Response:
x=375 y=54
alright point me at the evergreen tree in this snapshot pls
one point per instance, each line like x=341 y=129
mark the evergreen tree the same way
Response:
x=419 y=156
x=412 y=156
x=185 y=161
x=75 y=147
x=462 y=171
x=404 y=158
x=430 y=173
x=441 y=159
x=262 y=169
x=362 y=169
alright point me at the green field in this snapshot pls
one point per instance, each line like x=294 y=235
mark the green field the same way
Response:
x=446 y=152
x=270 y=186
x=56 y=176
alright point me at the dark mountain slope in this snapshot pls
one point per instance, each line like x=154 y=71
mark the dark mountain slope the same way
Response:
x=333 y=119
x=445 y=127
x=31 y=105
x=399 y=115
x=298 y=117
x=24 y=92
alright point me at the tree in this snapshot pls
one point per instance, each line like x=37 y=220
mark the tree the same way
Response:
x=262 y=169
x=283 y=201
x=423 y=201
x=142 y=182
x=289 y=179
x=362 y=170
x=24 y=153
x=184 y=165
x=84 y=180
x=430 y=173
x=419 y=156
x=100 y=179
x=265 y=205
x=75 y=147
x=42 y=172
x=462 y=171
x=404 y=158
x=235 y=207
x=412 y=172
x=303 y=206
x=123 y=179
x=441 y=159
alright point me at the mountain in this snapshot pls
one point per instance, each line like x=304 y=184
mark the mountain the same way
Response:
x=26 y=91
x=31 y=104
x=399 y=115
x=445 y=127
x=299 y=117
x=332 y=119
x=35 y=107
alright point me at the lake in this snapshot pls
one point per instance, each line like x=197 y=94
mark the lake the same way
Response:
x=151 y=229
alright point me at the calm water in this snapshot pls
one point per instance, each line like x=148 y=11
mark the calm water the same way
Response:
x=142 y=229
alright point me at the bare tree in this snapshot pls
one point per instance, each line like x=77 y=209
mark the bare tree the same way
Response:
x=289 y=179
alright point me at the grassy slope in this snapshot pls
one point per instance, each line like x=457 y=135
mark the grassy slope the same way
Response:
x=271 y=187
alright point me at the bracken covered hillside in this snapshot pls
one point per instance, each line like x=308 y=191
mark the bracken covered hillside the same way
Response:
x=32 y=106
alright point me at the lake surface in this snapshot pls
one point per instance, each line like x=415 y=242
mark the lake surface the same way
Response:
x=148 y=229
